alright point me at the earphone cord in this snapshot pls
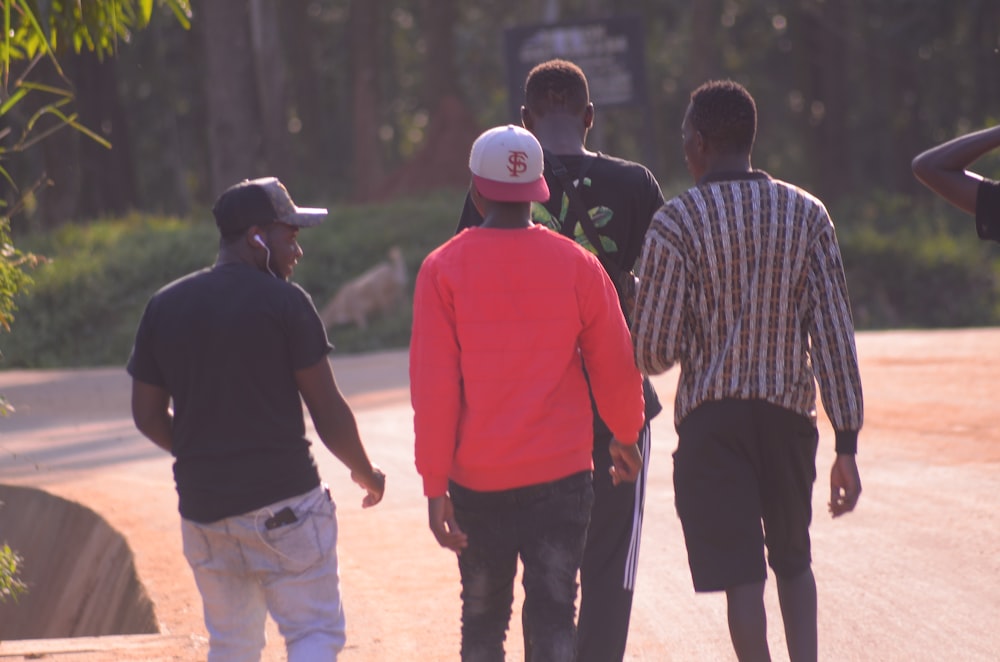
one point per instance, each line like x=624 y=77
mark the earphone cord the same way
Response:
x=268 y=263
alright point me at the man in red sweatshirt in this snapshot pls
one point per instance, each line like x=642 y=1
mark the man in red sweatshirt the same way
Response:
x=506 y=316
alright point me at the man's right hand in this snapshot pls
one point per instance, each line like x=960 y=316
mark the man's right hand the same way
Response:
x=626 y=462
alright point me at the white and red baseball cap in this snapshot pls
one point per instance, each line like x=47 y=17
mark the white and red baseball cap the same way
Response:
x=507 y=164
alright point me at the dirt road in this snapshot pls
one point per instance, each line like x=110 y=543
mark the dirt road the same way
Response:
x=913 y=574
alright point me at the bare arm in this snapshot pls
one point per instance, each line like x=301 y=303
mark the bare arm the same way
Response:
x=337 y=427
x=151 y=413
x=942 y=169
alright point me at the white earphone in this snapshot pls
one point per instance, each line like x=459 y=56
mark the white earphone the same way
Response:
x=267 y=263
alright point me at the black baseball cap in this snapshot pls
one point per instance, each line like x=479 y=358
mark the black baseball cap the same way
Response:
x=261 y=202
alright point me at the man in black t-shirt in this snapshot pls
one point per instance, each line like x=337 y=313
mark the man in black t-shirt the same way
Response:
x=942 y=169
x=234 y=347
x=621 y=198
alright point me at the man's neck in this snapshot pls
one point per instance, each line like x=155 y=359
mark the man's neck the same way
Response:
x=727 y=163
x=507 y=216
x=561 y=134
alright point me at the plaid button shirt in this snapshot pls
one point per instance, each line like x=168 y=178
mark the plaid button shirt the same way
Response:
x=741 y=282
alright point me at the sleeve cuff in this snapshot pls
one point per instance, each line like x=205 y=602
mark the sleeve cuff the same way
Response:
x=847 y=442
x=435 y=486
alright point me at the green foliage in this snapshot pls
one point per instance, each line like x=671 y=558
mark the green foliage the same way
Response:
x=87 y=299
x=11 y=586
x=64 y=25
x=12 y=274
x=916 y=266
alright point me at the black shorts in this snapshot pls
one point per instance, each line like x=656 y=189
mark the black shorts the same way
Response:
x=739 y=463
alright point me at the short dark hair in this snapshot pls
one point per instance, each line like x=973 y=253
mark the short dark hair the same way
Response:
x=556 y=85
x=241 y=207
x=726 y=116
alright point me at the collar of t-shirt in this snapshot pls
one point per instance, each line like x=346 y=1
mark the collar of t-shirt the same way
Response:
x=733 y=175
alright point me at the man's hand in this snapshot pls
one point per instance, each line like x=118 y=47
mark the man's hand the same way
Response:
x=845 y=485
x=373 y=483
x=441 y=517
x=626 y=462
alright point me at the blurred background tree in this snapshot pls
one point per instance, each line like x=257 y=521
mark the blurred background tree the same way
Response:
x=369 y=100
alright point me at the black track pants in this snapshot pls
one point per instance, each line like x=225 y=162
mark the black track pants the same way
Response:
x=607 y=576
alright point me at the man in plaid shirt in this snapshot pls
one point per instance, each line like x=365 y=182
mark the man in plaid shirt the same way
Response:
x=742 y=283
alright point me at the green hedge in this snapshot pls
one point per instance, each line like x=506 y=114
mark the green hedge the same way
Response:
x=916 y=263
x=906 y=267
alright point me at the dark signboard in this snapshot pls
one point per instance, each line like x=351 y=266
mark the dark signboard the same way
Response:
x=610 y=52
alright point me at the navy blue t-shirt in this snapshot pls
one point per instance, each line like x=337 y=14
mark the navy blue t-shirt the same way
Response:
x=224 y=343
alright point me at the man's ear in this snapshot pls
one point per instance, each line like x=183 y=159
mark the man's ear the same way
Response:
x=255 y=237
x=700 y=142
x=588 y=116
x=526 y=119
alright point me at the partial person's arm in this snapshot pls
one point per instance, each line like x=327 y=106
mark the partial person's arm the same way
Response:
x=435 y=393
x=608 y=356
x=659 y=302
x=835 y=363
x=942 y=169
x=151 y=413
x=337 y=428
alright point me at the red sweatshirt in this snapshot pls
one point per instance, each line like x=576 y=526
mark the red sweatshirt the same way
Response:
x=503 y=323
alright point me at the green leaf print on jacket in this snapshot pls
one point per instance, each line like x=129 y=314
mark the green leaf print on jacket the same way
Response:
x=599 y=215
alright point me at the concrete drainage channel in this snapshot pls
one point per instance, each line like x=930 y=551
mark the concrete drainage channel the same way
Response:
x=80 y=572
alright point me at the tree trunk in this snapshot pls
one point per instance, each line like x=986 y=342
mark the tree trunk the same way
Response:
x=443 y=159
x=230 y=93
x=440 y=75
x=272 y=85
x=60 y=154
x=368 y=168
x=703 y=60
x=310 y=148
x=107 y=181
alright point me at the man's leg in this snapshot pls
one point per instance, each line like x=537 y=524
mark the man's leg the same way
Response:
x=788 y=443
x=488 y=567
x=716 y=492
x=610 y=558
x=797 y=597
x=555 y=529
x=232 y=600
x=748 y=622
x=298 y=568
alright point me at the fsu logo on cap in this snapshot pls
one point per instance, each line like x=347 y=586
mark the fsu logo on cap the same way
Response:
x=517 y=163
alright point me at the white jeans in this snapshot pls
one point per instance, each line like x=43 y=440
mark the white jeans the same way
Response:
x=243 y=570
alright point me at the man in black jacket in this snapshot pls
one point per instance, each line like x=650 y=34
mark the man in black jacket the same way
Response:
x=620 y=198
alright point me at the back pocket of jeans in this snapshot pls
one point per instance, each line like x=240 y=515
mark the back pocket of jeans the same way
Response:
x=299 y=546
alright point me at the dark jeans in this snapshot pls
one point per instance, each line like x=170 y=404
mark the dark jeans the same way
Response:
x=546 y=525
